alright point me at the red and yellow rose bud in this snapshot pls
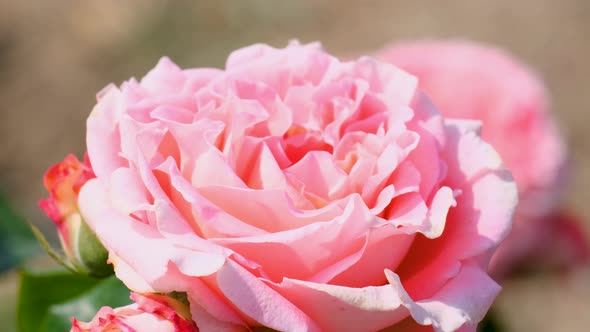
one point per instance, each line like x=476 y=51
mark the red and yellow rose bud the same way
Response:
x=150 y=312
x=84 y=252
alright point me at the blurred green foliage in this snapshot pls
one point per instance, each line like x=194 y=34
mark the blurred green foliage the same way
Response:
x=17 y=242
x=48 y=300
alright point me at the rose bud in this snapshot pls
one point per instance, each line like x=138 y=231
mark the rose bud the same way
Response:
x=83 y=251
x=157 y=313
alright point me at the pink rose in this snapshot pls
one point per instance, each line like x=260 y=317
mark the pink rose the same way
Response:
x=473 y=81
x=297 y=192
x=149 y=313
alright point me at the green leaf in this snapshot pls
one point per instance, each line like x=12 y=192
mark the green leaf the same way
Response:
x=38 y=291
x=110 y=291
x=47 y=301
x=17 y=243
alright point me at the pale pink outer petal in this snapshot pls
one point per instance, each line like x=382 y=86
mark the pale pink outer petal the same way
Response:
x=383 y=77
x=408 y=325
x=486 y=198
x=258 y=301
x=127 y=192
x=103 y=142
x=140 y=241
x=465 y=299
x=207 y=323
x=129 y=276
x=339 y=308
x=247 y=55
x=412 y=215
x=165 y=78
x=210 y=311
x=488 y=195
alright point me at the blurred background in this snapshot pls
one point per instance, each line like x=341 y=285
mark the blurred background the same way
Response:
x=55 y=56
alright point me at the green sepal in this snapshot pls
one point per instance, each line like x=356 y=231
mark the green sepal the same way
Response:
x=92 y=253
x=61 y=259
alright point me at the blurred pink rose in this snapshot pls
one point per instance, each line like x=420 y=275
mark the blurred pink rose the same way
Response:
x=149 y=313
x=555 y=242
x=473 y=81
x=297 y=192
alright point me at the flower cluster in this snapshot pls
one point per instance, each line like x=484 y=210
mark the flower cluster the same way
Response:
x=294 y=191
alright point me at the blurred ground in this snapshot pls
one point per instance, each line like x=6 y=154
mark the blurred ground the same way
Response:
x=55 y=55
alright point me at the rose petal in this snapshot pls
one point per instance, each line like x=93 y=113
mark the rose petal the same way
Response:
x=338 y=308
x=141 y=240
x=260 y=302
x=300 y=252
x=463 y=300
